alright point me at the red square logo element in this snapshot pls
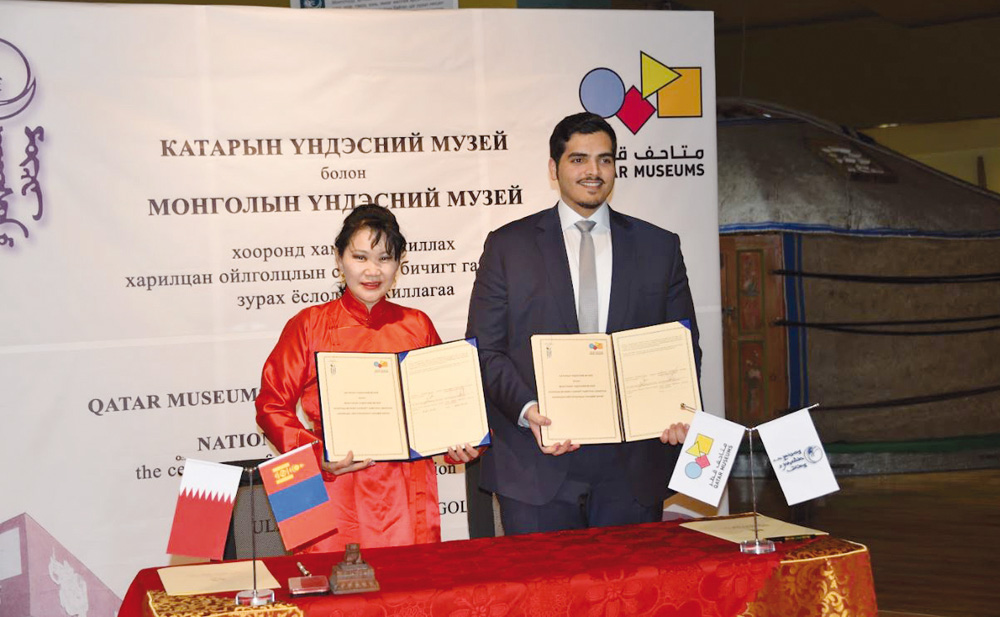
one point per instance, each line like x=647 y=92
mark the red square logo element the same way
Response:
x=635 y=110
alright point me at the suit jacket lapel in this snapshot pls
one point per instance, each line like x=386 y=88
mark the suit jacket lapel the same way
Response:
x=553 y=248
x=623 y=265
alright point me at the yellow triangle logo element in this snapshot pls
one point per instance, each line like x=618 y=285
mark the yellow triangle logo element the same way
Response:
x=701 y=445
x=655 y=75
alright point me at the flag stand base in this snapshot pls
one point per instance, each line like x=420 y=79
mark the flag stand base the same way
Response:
x=255 y=597
x=757 y=547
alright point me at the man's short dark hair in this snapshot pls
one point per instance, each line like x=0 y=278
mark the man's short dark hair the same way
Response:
x=585 y=123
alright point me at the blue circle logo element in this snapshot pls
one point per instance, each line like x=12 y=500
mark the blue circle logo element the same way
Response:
x=814 y=454
x=602 y=92
x=692 y=470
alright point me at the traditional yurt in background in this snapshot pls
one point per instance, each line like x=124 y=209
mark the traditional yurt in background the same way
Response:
x=861 y=280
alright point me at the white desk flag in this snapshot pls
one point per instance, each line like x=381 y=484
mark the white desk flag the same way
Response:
x=707 y=457
x=797 y=455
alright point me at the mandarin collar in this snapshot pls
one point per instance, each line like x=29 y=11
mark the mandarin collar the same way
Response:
x=360 y=312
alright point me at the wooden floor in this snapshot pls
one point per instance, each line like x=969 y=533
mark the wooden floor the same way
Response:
x=934 y=537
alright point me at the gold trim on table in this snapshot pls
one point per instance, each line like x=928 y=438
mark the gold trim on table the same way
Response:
x=159 y=604
x=826 y=577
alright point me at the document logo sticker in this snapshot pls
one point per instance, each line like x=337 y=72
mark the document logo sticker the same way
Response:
x=707 y=458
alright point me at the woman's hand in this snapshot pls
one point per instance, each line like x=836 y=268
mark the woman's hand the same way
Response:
x=347 y=465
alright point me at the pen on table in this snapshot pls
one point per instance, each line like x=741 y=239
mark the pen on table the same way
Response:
x=808 y=536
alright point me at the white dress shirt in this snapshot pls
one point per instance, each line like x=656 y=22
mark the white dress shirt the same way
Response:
x=602 y=256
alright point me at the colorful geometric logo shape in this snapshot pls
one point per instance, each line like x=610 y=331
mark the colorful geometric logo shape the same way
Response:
x=381 y=364
x=702 y=445
x=655 y=75
x=677 y=90
x=635 y=110
x=595 y=346
x=699 y=449
x=603 y=91
x=683 y=98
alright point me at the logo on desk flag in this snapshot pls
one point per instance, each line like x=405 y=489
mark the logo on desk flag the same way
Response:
x=204 y=507
x=707 y=458
x=298 y=496
x=797 y=455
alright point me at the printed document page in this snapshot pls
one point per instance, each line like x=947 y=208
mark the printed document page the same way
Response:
x=443 y=393
x=575 y=377
x=656 y=374
x=362 y=406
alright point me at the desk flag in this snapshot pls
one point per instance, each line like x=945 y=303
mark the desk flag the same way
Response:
x=204 y=507
x=798 y=457
x=298 y=496
x=706 y=458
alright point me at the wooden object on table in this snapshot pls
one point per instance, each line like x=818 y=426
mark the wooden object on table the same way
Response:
x=353 y=575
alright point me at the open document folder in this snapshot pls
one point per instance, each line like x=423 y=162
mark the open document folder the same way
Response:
x=610 y=388
x=410 y=405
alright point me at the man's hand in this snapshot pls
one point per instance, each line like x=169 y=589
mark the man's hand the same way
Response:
x=675 y=434
x=536 y=421
x=463 y=453
x=347 y=465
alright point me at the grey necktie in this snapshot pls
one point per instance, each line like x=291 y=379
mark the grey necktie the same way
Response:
x=586 y=312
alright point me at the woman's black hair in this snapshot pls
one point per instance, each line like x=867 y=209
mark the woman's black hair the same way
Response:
x=383 y=224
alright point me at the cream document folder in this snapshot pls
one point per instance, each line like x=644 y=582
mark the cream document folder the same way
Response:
x=410 y=405
x=626 y=386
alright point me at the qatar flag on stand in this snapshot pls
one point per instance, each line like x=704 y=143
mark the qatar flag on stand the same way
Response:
x=204 y=507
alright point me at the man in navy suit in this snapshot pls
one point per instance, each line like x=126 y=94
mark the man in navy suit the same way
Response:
x=577 y=267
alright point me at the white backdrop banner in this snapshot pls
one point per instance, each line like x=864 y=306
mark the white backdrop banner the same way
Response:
x=173 y=177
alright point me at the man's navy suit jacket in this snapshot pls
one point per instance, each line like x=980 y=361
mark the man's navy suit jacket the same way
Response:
x=523 y=287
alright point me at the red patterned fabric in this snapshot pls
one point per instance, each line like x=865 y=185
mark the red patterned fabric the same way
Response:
x=389 y=504
x=657 y=569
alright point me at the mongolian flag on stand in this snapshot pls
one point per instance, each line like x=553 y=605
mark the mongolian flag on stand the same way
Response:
x=204 y=508
x=298 y=496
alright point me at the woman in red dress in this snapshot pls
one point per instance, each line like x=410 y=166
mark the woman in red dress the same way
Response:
x=383 y=504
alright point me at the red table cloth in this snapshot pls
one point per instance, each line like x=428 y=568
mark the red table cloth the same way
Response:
x=657 y=569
